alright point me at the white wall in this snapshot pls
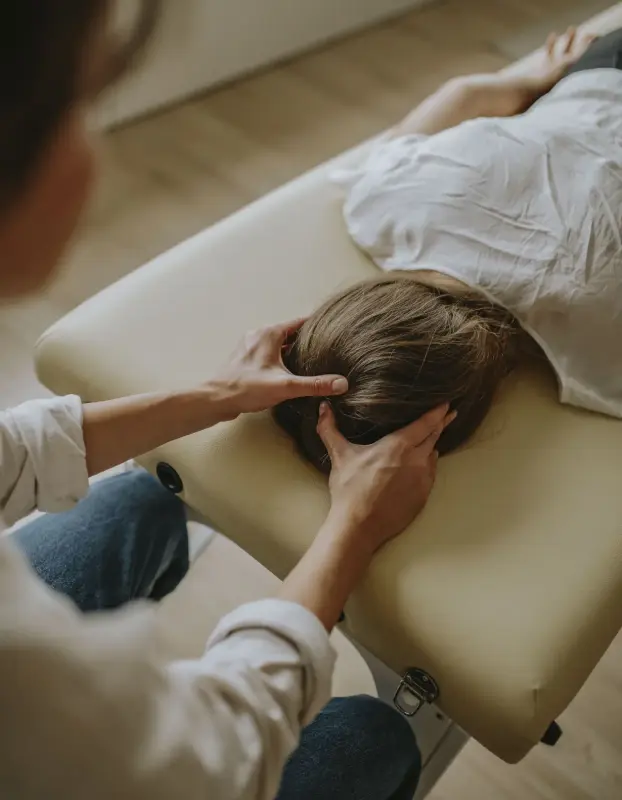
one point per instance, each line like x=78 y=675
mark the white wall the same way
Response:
x=201 y=43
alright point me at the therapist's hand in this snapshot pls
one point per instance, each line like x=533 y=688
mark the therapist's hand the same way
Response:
x=256 y=378
x=376 y=490
x=380 y=488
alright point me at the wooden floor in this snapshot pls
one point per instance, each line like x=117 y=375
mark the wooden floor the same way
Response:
x=166 y=177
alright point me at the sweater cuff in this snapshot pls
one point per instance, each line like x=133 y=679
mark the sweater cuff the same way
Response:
x=51 y=431
x=300 y=629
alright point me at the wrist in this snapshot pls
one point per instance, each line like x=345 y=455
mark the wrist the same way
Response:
x=350 y=530
x=219 y=400
x=199 y=408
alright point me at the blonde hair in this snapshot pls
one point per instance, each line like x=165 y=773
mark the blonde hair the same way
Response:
x=405 y=347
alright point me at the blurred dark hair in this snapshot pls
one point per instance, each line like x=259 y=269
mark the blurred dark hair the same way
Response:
x=45 y=46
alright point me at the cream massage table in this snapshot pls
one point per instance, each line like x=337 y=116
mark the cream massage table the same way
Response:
x=499 y=601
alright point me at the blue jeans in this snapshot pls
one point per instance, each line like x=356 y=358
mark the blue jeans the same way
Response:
x=126 y=540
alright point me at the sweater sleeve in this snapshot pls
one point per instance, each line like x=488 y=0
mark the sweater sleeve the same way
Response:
x=88 y=701
x=42 y=457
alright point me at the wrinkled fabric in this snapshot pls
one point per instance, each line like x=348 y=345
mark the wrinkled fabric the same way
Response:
x=89 y=707
x=527 y=209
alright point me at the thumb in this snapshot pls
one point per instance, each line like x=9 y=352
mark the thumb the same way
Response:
x=318 y=386
x=328 y=432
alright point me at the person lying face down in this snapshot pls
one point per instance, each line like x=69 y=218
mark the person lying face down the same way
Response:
x=405 y=347
x=503 y=235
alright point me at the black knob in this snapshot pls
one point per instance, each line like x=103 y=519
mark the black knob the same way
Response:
x=552 y=735
x=169 y=478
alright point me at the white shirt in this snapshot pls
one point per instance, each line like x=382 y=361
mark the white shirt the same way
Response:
x=527 y=209
x=89 y=710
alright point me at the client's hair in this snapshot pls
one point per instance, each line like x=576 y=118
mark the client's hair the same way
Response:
x=405 y=347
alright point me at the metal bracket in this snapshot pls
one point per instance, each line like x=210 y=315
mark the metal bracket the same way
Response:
x=415 y=689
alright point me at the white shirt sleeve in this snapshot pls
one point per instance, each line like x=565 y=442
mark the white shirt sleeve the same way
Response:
x=90 y=710
x=42 y=457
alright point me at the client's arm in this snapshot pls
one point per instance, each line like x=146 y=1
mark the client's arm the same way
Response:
x=501 y=94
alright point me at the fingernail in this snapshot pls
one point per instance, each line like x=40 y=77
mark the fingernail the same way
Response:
x=451 y=417
x=340 y=385
x=323 y=409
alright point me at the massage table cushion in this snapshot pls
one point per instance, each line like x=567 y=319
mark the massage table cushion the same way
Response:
x=508 y=588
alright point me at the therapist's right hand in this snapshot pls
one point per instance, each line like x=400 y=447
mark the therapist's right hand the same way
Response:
x=381 y=488
x=376 y=491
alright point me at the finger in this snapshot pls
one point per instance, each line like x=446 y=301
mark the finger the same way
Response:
x=425 y=432
x=295 y=325
x=551 y=39
x=419 y=430
x=571 y=33
x=272 y=339
x=317 y=386
x=284 y=329
x=252 y=338
x=433 y=462
x=328 y=432
x=451 y=416
x=428 y=445
x=276 y=336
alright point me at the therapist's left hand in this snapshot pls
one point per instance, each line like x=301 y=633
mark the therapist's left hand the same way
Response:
x=256 y=378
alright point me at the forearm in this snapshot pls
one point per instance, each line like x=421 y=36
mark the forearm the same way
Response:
x=330 y=570
x=469 y=97
x=118 y=430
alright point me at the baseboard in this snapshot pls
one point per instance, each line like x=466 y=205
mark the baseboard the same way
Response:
x=200 y=46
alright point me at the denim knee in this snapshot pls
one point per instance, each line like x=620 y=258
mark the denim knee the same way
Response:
x=126 y=539
x=386 y=733
x=358 y=747
x=147 y=502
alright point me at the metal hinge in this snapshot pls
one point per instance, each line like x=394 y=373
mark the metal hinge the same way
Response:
x=415 y=689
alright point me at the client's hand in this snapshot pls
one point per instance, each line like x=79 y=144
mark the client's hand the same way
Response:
x=256 y=378
x=381 y=488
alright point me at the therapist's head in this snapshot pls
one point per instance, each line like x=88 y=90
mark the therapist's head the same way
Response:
x=55 y=57
x=405 y=348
